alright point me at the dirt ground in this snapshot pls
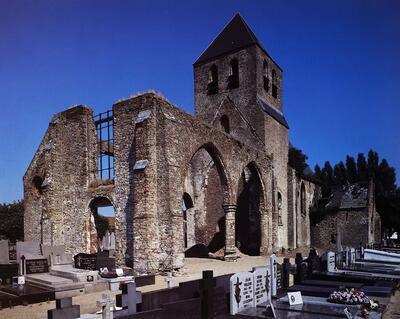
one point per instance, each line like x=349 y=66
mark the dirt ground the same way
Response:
x=192 y=270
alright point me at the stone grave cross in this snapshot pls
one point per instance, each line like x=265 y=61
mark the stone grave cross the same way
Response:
x=105 y=304
x=129 y=299
x=207 y=285
x=168 y=280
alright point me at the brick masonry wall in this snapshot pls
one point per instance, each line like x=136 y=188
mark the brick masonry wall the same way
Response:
x=353 y=225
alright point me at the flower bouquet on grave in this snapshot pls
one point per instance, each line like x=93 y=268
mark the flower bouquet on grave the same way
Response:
x=347 y=296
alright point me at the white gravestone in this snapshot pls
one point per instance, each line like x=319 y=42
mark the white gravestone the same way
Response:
x=241 y=292
x=168 y=280
x=330 y=259
x=261 y=281
x=352 y=255
x=273 y=271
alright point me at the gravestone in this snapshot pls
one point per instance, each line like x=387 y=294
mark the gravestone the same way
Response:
x=299 y=276
x=29 y=249
x=105 y=303
x=63 y=259
x=347 y=256
x=36 y=266
x=47 y=250
x=273 y=272
x=207 y=288
x=279 y=278
x=4 y=253
x=352 y=255
x=286 y=268
x=241 y=292
x=129 y=299
x=331 y=261
x=168 y=280
x=85 y=261
x=64 y=310
x=262 y=282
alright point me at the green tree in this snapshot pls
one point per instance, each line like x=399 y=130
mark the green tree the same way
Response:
x=351 y=169
x=340 y=174
x=297 y=159
x=373 y=163
x=362 y=169
x=12 y=221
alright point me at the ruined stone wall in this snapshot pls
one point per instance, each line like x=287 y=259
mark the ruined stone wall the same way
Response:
x=353 y=225
x=147 y=202
x=299 y=222
x=66 y=160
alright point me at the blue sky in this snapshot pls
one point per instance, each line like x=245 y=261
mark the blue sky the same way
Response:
x=341 y=85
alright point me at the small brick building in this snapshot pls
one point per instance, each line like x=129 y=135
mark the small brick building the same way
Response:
x=218 y=178
x=351 y=211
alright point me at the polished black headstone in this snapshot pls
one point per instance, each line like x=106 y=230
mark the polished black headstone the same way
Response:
x=36 y=266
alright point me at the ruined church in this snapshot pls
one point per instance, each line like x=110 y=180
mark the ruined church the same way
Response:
x=219 y=178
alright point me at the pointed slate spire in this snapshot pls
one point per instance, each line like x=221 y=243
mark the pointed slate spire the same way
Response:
x=235 y=36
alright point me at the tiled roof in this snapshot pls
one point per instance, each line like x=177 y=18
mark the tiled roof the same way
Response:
x=235 y=36
x=278 y=116
x=354 y=196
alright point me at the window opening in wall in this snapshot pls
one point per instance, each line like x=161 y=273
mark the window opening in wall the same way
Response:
x=303 y=200
x=37 y=183
x=265 y=76
x=101 y=226
x=225 y=123
x=105 y=144
x=233 y=79
x=274 y=84
x=212 y=86
x=280 y=203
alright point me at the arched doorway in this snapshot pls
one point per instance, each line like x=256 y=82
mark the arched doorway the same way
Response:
x=207 y=181
x=187 y=205
x=302 y=215
x=248 y=217
x=101 y=226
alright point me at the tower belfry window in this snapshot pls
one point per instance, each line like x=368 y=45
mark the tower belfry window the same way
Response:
x=212 y=86
x=233 y=79
x=274 y=84
x=265 y=76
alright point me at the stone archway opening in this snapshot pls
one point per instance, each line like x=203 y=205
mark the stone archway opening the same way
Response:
x=248 y=217
x=101 y=225
x=206 y=181
x=187 y=205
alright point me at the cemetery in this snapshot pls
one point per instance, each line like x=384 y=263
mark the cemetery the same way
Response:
x=340 y=284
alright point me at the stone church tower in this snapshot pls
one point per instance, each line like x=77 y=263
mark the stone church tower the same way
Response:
x=238 y=87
